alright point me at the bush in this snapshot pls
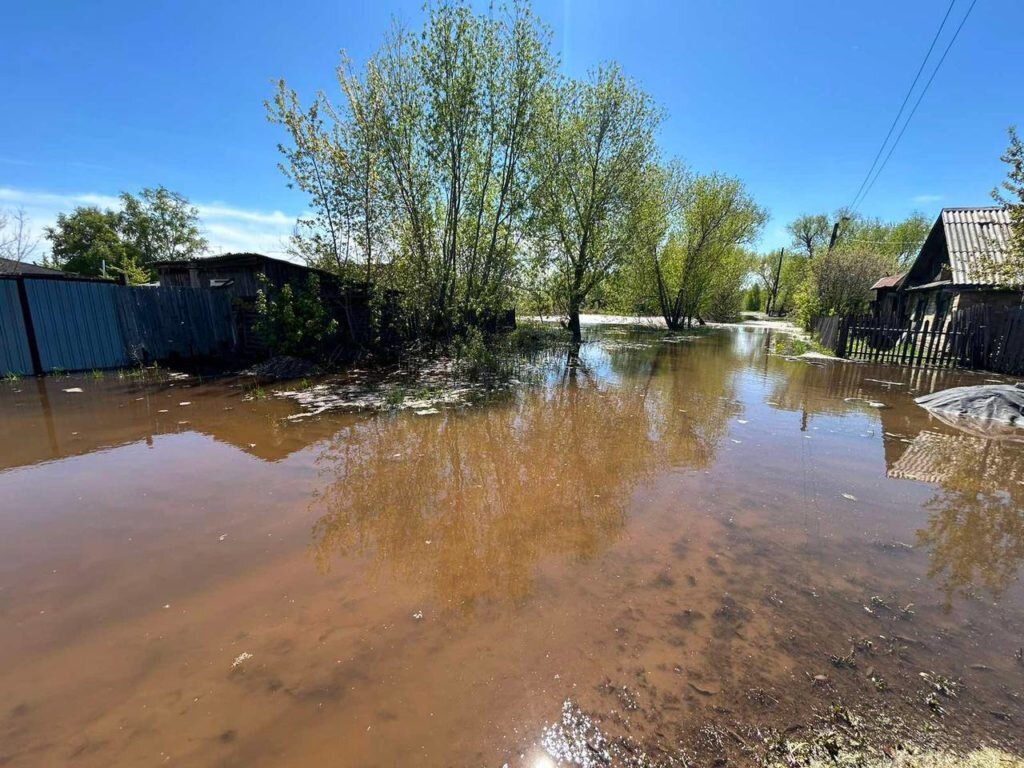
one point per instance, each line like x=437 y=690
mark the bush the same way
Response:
x=294 y=323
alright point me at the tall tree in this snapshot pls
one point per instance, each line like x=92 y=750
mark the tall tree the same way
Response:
x=690 y=230
x=809 y=233
x=593 y=150
x=155 y=225
x=87 y=240
x=159 y=224
x=424 y=157
x=1009 y=271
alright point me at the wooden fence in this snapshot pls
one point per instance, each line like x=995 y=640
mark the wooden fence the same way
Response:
x=59 y=324
x=978 y=337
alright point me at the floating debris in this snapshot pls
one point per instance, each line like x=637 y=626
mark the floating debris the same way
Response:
x=241 y=658
x=849 y=497
x=73 y=390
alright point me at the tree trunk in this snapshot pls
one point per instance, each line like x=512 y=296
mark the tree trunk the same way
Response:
x=574 y=321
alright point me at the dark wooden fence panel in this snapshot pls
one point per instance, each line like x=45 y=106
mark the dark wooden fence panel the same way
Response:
x=163 y=323
x=978 y=337
x=15 y=355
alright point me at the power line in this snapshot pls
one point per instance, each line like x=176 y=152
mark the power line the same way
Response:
x=906 y=98
x=919 y=98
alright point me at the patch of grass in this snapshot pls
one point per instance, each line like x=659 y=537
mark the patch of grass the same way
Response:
x=11 y=377
x=793 y=346
x=97 y=374
x=394 y=397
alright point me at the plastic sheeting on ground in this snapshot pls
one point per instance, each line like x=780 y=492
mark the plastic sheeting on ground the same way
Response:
x=992 y=410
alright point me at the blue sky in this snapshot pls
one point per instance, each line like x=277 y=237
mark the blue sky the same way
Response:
x=793 y=97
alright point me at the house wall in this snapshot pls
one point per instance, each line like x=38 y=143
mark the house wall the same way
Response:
x=994 y=299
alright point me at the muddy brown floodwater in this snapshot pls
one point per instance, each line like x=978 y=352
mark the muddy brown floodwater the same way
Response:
x=675 y=551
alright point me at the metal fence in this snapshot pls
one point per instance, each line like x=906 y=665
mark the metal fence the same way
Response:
x=57 y=324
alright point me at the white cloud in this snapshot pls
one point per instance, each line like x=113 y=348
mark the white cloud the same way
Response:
x=922 y=199
x=227 y=228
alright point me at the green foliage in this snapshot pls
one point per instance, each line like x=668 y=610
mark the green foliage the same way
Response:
x=809 y=234
x=1010 y=272
x=900 y=241
x=593 y=151
x=753 y=301
x=81 y=241
x=838 y=281
x=156 y=225
x=687 y=230
x=421 y=165
x=159 y=224
x=294 y=323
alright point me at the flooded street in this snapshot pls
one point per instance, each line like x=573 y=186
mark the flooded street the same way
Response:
x=672 y=549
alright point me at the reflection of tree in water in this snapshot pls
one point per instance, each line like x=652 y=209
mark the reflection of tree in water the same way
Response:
x=496 y=489
x=975 y=531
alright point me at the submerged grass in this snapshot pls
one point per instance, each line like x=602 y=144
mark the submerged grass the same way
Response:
x=986 y=757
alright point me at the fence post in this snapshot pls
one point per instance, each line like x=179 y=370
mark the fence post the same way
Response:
x=844 y=328
x=30 y=328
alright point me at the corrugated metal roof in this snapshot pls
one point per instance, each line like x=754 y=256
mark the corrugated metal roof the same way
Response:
x=975 y=237
x=10 y=267
x=892 y=281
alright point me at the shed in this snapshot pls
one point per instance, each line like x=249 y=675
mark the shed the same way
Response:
x=239 y=276
x=888 y=296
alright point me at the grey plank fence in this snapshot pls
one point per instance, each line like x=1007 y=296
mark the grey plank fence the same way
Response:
x=49 y=324
x=979 y=337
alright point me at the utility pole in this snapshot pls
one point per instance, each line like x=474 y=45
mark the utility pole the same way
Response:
x=775 y=283
x=835 y=232
x=773 y=288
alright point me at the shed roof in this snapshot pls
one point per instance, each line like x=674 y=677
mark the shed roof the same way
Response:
x=226 y=259
x=891 y=281
x=11 y=267
x=975 y=236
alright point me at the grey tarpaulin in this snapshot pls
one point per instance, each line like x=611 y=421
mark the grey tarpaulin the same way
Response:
x=988 y=408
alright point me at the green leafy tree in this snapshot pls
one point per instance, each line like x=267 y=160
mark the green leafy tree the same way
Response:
x=1009 y=271
x=592 y=153
x=810 y=234
x=87 y=239
x=839 y=280
x=424 y=159
x=753 y=300
x=160 y=225
x=687 y=239
x=153 y=226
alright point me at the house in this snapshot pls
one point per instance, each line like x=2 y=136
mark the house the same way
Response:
x=952 y=271
x=241 y=276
